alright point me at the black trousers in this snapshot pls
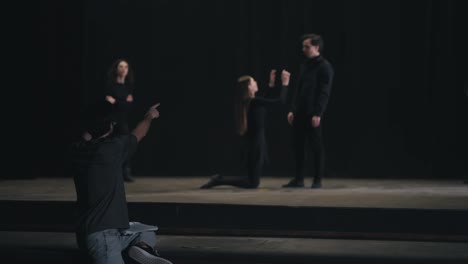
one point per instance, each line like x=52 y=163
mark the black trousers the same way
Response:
x=252 y=181
x=254 y=156
x=308 y=141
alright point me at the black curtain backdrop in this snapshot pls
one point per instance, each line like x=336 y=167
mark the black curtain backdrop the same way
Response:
x=397 y=109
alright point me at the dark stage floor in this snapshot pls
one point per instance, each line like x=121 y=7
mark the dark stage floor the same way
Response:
x=347 y=221
x=364 y=193
x=31 y=247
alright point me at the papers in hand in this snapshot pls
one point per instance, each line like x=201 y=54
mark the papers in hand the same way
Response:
x=137 y=227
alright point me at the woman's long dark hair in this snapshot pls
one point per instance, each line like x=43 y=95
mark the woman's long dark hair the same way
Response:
x=112 y=73
x=241 y=103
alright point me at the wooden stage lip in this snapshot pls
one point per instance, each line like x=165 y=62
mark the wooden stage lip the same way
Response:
x=364 y=193
x=422 y=210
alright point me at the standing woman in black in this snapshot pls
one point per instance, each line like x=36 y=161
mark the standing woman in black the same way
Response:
x=119 y=92
x=250 y=115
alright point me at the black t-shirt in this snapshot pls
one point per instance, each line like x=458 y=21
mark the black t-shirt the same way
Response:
x=97 y=168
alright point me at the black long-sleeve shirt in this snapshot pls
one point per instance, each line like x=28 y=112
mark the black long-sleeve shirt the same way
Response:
x=256 y=114
x=122 y=107
x=256 y=146
x=119 y=91
x=313 y=87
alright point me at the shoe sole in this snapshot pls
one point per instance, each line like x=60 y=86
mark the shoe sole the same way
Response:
x=143 y=257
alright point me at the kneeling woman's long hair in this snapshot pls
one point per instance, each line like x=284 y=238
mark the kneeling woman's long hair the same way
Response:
x=241 y=103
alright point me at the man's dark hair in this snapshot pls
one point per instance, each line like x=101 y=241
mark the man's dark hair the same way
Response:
x=315 y=40
x=97 y=118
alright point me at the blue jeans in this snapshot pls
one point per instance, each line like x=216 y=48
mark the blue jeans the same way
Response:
x=106 y=247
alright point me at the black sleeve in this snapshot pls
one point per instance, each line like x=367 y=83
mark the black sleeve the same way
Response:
x=109 y=90
x=265 y=92
x=325 y=80
x=270 y=100
x=130 y=89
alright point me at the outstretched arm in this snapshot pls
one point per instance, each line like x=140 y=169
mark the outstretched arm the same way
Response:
x=267 y=100
x=143 y=126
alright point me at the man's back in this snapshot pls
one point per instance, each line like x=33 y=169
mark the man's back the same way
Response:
x=97 y=166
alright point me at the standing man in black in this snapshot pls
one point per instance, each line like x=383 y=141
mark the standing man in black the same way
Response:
x=308 y=106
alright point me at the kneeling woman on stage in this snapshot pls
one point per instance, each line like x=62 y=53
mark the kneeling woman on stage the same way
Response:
x=250 y=115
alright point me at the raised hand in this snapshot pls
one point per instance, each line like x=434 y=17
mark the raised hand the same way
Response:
x=290 y=118
x=285 y=76
x=110 y=99
x=315 y=121
x=153 y=111
x=271 y=83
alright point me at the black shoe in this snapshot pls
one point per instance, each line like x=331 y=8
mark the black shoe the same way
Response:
x=316 y=185
x=294 y=184
x=212 y=182
x=145 y=255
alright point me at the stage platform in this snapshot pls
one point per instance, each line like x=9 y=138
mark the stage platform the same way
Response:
x=397 y=209
x=361 y=193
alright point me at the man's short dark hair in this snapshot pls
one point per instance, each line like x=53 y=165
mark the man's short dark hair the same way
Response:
x=97 y=118
x=315 y=40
